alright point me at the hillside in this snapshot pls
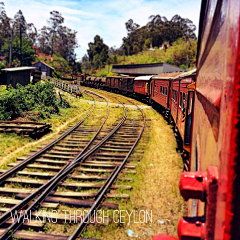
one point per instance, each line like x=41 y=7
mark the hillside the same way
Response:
x=181 y=54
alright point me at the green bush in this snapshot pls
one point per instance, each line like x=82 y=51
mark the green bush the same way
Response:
x=40 y=98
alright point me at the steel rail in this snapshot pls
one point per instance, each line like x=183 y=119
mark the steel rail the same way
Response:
x=8 y=233
x=108 y=183
x=23 y=164
x=26 y=201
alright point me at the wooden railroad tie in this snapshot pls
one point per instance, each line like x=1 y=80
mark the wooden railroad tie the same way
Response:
x=25 y=128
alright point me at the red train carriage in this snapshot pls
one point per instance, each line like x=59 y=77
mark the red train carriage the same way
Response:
x=127 y=85
x=142 y=87
x=212 y=188
x=161 y=88
x=178 y=100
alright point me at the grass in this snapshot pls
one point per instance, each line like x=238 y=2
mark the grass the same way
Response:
x=11 y=141
x=175 y=55
x=155 y=188
x=3 y=89
x=13 y=145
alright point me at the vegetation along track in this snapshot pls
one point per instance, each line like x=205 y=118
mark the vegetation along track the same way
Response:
x=85 y=171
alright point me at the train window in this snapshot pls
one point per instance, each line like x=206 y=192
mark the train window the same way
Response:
x=146 y=88
x=180 y=102
x=166 y=91
x=161 y=89
x=183 y=101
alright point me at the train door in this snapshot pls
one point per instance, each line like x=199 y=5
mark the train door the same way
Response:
x=146 y=88
x=169 y=94
x=188 y=118
x=150 y=89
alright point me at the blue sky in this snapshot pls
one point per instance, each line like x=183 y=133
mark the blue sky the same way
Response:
x=103 y=17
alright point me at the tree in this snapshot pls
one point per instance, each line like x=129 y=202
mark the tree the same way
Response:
x=57 y=38
x=98 y=52
x=5 y=29
x=85 y=63
x=26 y=54
x=20 y=29
x=67 y=42
x=131 y=43
x=19 y=25
x=157 y=31
x=44 y=40
x=55 y=21
x=31 y=33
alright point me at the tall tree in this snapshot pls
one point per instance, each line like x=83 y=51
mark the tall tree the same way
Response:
x=5 y=29
x=32 y=33
x=67 y=42
x=26 y=54
x=98 y=52
x=55 y=22
x=157 y=31
x=20 y=29
x=44 y=40
x=19 y=24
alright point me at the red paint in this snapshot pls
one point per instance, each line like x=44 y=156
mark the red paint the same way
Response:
x=191 y=230
x=161 y=88
x=193 y=185
x=140 y=87
x=164 y=237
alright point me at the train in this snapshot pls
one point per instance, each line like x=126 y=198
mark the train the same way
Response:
x=212 y=184
x=204 y=106
x=171 y=93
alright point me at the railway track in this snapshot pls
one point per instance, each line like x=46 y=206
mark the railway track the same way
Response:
x=77 y=171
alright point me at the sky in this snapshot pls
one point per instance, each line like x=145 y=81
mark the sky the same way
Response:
x=106 y=18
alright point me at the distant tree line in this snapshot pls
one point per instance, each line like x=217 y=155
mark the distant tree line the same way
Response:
x=159 y=31
x=50 y=39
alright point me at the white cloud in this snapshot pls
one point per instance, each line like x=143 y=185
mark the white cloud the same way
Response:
x=103 y=17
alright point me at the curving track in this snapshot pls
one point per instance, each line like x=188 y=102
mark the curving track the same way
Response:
x=78 y=170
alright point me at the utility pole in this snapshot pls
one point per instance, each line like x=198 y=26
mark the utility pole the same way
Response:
x=20 y=45
x=10 y=52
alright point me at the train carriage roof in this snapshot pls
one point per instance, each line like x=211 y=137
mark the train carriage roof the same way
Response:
x=126 y=77
x=188 y=74
x=167 y=76
x=143 y=78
